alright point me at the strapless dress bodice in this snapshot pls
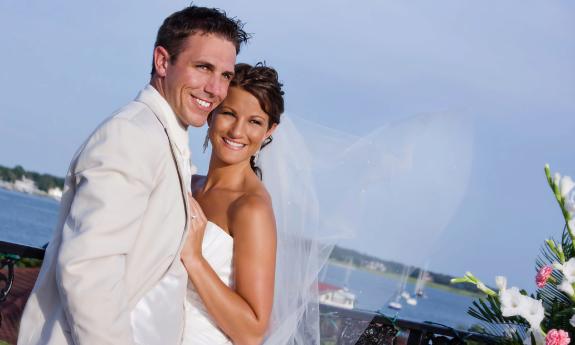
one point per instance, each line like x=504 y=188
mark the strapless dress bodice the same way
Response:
x=200 y=328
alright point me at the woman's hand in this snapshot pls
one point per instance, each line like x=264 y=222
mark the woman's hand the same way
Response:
x=192 y=250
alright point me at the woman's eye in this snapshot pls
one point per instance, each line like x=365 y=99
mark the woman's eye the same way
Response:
x=257 y=122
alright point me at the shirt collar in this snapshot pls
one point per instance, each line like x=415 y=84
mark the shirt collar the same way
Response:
x=177 y=132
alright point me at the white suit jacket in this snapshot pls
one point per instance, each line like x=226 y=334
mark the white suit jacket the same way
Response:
x=121 y=226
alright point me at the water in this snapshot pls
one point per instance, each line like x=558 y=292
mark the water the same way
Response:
x=375 y=291
x=30 y=220
x=26 y=219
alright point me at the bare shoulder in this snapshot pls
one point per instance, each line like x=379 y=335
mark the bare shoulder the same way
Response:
x=252 y=212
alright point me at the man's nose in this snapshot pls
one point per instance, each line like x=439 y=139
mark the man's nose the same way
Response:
x=216 y=87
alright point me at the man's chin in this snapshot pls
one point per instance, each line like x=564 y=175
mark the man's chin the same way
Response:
x=196 y=120
x=199 y=122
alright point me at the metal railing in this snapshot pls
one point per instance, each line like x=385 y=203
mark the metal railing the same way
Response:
x=346 y=327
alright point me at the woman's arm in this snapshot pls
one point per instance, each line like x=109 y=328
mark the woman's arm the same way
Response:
x=244 y=313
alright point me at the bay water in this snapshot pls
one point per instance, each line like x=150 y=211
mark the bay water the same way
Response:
x=30 y=220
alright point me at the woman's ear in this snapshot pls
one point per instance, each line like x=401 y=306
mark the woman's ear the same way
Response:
x=271 y=130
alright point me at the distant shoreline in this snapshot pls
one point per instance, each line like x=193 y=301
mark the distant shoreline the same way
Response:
x=36 y=192
x=412 y=280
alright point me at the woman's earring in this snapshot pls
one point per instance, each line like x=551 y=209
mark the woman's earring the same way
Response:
x=206 y=141
x=256 y=157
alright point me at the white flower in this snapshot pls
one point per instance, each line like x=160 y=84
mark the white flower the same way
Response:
x=568 y=270
x=512 y=302
x=566 y=287
x=556 y=179
x=533 y=312
x=567 y=190
x=501 y=283
x=481 y=286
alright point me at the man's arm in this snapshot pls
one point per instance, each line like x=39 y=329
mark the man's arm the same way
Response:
x=114 y=177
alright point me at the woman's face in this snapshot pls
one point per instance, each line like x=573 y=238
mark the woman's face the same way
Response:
x=239 y=127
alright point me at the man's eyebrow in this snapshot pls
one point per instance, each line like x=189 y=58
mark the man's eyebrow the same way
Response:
x=209 y=65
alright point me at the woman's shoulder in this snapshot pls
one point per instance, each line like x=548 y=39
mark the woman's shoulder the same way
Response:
x=251 y=209
x=252 y=202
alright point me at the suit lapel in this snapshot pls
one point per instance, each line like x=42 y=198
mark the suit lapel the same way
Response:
x=157 y=110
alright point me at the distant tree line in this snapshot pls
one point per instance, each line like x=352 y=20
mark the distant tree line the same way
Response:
x=44 y=182
x=346 y=255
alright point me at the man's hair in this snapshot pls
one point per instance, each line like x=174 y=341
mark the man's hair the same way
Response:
x=193 y=19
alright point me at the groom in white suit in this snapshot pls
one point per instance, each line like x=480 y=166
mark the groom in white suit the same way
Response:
x=112 y=272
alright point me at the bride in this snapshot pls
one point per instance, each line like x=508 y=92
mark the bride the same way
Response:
x=259 y=237
x=230 y=253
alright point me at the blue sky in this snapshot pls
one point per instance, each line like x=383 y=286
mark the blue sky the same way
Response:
x=508 y=65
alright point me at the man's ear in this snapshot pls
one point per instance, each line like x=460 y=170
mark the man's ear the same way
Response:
x=161 y=60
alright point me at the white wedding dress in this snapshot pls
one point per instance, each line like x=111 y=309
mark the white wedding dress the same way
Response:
x=200 y=328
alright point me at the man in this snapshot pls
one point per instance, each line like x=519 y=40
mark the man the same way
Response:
x=112 y=272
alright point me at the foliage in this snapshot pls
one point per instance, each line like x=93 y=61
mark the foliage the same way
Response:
x=44 y=182
x=516 y=317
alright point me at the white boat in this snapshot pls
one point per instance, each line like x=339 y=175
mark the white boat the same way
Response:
x=396 y=304
x=336 y=296
x=420 y=284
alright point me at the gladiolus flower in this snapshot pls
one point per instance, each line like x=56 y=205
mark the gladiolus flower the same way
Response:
x=557 y=337
x=566 y=287
x=567 y=190
x=568 y=270
x=512 y=302
x=543 y=275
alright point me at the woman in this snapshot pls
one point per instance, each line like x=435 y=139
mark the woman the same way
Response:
x=232 y=218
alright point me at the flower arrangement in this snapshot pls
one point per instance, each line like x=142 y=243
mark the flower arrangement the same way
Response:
x=548 y=316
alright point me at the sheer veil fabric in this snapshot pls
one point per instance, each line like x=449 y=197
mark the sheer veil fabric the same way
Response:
x=328 y=187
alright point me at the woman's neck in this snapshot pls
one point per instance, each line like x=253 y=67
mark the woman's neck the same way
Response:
x=225 y=176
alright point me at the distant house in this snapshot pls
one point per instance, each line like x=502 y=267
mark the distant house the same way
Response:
x=375 y=266
x=55 y=193
x=25 y=185
x=336 y=296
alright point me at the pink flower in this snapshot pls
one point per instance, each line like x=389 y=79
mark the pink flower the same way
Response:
x=557 y=337
x=543 y=275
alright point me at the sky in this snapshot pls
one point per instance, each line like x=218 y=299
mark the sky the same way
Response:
x=508 y=66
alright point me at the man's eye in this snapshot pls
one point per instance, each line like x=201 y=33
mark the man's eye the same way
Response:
x=203 y=67
x=228 y=76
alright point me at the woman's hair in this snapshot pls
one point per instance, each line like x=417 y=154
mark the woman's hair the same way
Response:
x=261 y=82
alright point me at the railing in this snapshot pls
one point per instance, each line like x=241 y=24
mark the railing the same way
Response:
x=346 y=327
x=11 y=254
x=337 y=326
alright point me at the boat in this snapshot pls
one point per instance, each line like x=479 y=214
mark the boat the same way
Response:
x=420 y=284
x=396 y=303
x=336 y=296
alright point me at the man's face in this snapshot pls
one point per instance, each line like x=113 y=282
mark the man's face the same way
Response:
x=198 y=80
